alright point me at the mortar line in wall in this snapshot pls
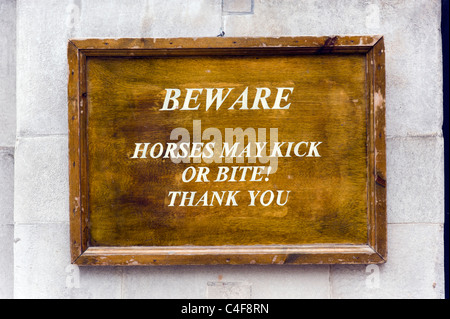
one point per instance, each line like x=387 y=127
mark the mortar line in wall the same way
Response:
x=7 y=225
x=330 y=288
x=398 y=137
x=121 y=283
x=38 y=223
x=416 y=223
x=42 y=135
x=222 y=20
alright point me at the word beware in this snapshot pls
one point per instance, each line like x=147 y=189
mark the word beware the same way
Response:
x=171 y=102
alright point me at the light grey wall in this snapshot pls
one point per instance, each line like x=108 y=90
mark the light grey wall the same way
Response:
x=414 y=146
x=7 y=141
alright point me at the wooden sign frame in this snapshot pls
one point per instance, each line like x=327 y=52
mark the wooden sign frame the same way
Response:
x=374 y=251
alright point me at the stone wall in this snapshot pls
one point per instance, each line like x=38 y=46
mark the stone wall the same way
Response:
x=36 y=149
x=7 y=140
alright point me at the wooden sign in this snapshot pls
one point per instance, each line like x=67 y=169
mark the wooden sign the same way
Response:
x=227 y=151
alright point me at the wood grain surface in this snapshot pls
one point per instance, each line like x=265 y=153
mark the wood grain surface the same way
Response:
x=336 y=209
x=129 y=197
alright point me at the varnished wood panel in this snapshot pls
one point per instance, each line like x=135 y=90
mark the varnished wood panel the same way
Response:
x=337 y=199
